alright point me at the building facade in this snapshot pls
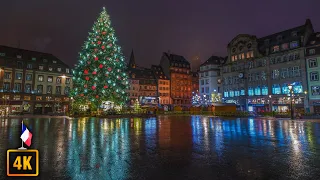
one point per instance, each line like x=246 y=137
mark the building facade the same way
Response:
x=313 y=72
x=258 y=70
x=178 y=69
x=208 y=78
x=33 y=82
x=163 y=85
x=143 y=85
x=195 y=82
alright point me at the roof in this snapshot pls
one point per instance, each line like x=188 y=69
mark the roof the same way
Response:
x=293 y=34
x=132 y=61
x=144 y=75
x=177 y=60
x=158 y=72
x=314 y=39
x=215 y=60
x=35 y=56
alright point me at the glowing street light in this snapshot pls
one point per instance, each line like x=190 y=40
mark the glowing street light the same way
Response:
x=291 y=108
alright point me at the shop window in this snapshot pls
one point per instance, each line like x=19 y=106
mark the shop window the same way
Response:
x=18 y=75
x=242 y=92
x=276 y=89
x=264 y=90
x=7 y=75
x=231 y=93
x=28 y=88
x=226 y=94
x=285 y=89
x=297 y=88
x=250 y=91
x=27 y=98
x=39 y=98
x=257 y=91
x=16 y=97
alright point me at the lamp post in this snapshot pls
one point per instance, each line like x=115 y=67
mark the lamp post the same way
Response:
x=270 y=103
x=306 y=100
x=291 y=108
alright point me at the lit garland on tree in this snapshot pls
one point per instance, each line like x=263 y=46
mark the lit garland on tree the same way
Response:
x=100 y=73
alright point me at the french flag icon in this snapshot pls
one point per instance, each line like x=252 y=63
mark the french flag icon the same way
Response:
x=26 y=135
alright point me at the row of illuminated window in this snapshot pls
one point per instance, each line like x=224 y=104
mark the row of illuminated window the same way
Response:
x=164 y=94
x=164 y=82
x=286 y=72
x=284 y=46
x=164 y=101
x=284 y=89
x=242 y=56
x=28 y=89
x=180 y=70
x=284 y=58
x=28 y=98
x=164 y=88
x=180 y=102
x=40 y=67
x=18 y=76
x=180 y=94
x=181 y=88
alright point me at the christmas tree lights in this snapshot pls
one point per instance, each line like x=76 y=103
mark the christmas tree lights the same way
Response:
x=100 y=74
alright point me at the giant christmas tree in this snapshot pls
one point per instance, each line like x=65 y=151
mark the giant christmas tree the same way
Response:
x=100 y=73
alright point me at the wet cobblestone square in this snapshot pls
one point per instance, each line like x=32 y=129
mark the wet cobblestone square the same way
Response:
x=169 y=147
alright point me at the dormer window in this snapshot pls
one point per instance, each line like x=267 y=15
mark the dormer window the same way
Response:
x=45 y=60
x=294 y=33
x=19 y=56
x=40 y=67
x=59 y=69
x=50 y=68
x=67 y=70
x=33 y=59
x=54 y=62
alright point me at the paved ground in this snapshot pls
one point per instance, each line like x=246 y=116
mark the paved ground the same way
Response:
x=169 y=147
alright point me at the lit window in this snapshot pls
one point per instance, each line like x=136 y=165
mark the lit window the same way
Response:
x=33 y=59
x=28 y=77
x=68 y=80
x=257 y=91
x=315 y=90
x=49 y=89
x=250 y=91
x=50 y=79
x=16 y=97
x=40 y=78
x=285 y=89
x=226 y=94
x=29 y=66
x=45 y=60
x=59 y=69
x=27 y=98
x=18 y=76
x=285 y=46
x=275 y=74
x=50 y=68
x=297 y=88
x=275 y=48
x=67 y=70
x=54 y=62
x=242 y=55
x=264 y=90
x=39 y=89
x=17 y=87
x=27 y=88
x=39 y=98
x=276 y=89
x=231 y=93
x=40 y=67
x=294 y=44
x=242 y=92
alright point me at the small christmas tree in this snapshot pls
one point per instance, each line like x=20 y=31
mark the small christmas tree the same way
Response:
x=100 y=73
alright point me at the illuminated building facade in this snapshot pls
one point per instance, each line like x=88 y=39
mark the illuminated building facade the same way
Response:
x=313 y=72
x=258 y=70
x=33 y=82
x=177 y=68
x=163 y=85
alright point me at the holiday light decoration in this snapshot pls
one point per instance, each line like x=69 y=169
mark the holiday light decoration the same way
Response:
x=100 y=74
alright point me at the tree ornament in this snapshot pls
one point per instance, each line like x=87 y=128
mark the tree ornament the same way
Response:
x=81 y=94
x=95 y=49
x=97 y=96
x=110 y=45
x=100 y=66
x=96 y=58
x=94 y=72
x=92 y=42
x=87 y=78
x=85 y=86
x=109 y=69
x=99 y=42
x=86 y=71
x=103 y=47
x=106 y=86
x=104 y=33
x=93 y=87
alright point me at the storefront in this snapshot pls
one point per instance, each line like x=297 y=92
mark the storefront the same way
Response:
x=282 y=104
x=258 y=105
x=148 y=101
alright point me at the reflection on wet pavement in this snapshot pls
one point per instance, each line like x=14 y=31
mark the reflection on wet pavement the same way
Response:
x=169 y=147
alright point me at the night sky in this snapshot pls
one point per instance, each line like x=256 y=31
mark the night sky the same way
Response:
x=150 y=27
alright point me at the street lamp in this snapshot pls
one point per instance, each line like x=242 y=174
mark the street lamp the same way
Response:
x=291 y=108
x=270 y=103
